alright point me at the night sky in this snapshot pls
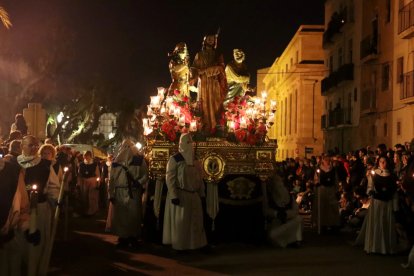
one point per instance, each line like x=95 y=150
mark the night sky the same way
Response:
x=127 y=42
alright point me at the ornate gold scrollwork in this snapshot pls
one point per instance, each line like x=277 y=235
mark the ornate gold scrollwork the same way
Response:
x=213 y=166
x=240 y=188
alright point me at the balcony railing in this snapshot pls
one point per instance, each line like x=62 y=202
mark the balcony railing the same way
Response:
x=369 y=46
x=339 y=117
x=344 y=73
x=406 y=21
x=368 y=101
x=338 y=19
x=408 y=86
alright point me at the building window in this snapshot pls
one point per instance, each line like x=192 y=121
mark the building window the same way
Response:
x=340 y=57
x=291 y=62
x=400 y=69
x=285 y=115
x=398 y=128
x=350 y=51
x=374 y=131
x=296 y=111
x=330 y=64
x=355 y=94
x=385 y=76
x=286 y=68
x=385 y=129
x=290 y=114
x=388 y=12
x=297 y=57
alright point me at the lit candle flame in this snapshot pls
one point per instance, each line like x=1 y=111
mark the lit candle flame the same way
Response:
x=372 y=172
x=34 y=187
x=65 y=169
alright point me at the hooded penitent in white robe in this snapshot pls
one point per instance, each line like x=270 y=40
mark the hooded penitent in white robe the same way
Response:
x=50 y=190
x=286 y=229
x=127 y=203
x=14 y=220
x=183 y=223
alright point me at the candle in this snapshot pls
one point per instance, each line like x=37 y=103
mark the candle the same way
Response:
x=182 y=120
x=155 y=101
x=168 y=101
x=161 y=91
x=145 y=123
x=193 y=125
x=273 y=106
x=232 y=125
x=163 y=110
x=33 y=209
x=243 y=123
x=177 y=112
x=149 y=110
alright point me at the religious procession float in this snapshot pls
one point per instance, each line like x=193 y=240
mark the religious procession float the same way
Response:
x=229 y=127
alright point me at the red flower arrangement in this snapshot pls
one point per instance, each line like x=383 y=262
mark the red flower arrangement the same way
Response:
x=245 y=129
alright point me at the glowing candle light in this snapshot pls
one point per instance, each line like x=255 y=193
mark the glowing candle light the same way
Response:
x=155 y=101
x=273 y=105
x=193 y=125
x=171 y=110
x=33 y=209
x=177 y=112
x=232 y=125
x=243 y=123
x=182 y=120
x=161 y=91
x=149 y=111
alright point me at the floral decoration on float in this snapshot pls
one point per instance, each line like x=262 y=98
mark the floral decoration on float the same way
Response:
x=246 y=119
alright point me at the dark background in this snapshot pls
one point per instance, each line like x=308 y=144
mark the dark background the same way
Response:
x=126 y=42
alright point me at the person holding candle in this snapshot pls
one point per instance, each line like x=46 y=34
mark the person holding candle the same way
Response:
x=378 y=233
x=14 y=220
x=325 y=209
x=127 y=179
x=88 y=181
x=40 y=172
x=183 y=216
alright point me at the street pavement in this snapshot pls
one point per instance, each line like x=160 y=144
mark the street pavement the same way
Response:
x=90 y=251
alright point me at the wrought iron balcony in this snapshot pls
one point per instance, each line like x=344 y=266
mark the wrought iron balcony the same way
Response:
x=406 y=21
x=369 y=48
x=339 y=117
x=407 y=91
x=338 y=19
x=344 y=73
x=368 y=101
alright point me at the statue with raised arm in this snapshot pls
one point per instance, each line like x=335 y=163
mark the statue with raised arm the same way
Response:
x=212 y=85
x=180 y=71
x=238 y=77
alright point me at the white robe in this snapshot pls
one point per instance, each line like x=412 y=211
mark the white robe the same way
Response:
x=44 y=215
x=126 y=211
x=14 y=252
x=279 y=233
x=183 y=223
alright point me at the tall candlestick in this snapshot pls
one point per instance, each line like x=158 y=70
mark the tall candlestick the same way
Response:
x=33 y=209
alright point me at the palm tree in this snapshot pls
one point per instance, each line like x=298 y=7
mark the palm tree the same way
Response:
x=4 y=17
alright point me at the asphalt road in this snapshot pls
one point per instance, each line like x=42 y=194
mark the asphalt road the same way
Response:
x=91 y=251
